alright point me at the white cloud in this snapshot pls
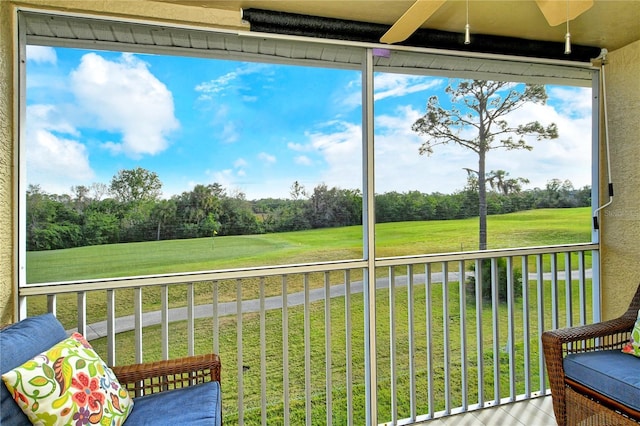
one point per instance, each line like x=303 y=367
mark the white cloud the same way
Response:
x=228 y=178
x=399 y=166
x=230 y=133
x=223 y=177
x=567 y=157
x=298 y=147
x=125 y=97
x=571 y=101
x=227 y=130
x=267 y=158
x=303 y=160
x=240 y=165
x=217 y=85
x=341 y=151
x=229 y=81
x=50 y=118
x=41 y=54
x=56 y=160
x=390 y=85
x=393 y=85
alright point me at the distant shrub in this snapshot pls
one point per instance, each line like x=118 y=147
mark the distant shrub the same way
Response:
x=502 y=280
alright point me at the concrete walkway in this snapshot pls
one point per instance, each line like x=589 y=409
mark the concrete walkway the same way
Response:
x=127 y=323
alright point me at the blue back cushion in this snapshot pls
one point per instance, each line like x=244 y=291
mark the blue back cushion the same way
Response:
x=19 y=343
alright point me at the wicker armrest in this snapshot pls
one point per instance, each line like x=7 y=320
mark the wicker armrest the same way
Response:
x=588 y=333
x=153 y=377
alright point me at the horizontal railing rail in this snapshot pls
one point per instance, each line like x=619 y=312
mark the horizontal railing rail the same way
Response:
x=455 y=332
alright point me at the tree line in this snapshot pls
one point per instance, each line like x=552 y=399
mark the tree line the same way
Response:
x=131 y=209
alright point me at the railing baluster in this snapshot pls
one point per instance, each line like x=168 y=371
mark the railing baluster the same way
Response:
x=216 y=320
x=137 y=314
x=239 y=355
x=526 y=325
x=568 y=289
x=412 y=349
x=190 y=320
x=495 y=302
x=446 y=339
x=22 y=306
x=164 y=318
x=540 y=288
x=52 y=304
x=82 y=312
x=479 y=331
x=555 y=314
x=285 y=349
x=392 y=345
x=111 y=332
x=429 y=332
x=463 y=335
x=307 y=352
x=327 y=348
x=582 y=288
x=348 y=350
x=511 y=330
x=263 y=355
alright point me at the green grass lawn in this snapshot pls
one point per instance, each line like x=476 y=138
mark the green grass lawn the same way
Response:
x=533 y=228
x=523 y=229
x=530 y=228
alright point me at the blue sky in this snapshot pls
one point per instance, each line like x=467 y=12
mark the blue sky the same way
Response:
x=257 y=128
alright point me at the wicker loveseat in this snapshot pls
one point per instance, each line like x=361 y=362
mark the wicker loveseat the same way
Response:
x=592 y=381
x=183 y=391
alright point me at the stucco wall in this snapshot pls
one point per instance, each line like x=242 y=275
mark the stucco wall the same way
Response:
x=620 y=239
x=6 y=117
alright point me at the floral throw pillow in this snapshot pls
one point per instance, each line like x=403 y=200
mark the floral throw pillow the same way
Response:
x=633 y=347
x=69 y=384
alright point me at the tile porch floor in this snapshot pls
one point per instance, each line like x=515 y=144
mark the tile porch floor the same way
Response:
x=533 y=412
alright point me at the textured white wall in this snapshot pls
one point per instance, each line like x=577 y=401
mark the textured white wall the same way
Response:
x=6 y=162
x=620 y=240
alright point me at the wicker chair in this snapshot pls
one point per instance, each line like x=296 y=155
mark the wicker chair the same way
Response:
x=179 y=391
x=574 y=403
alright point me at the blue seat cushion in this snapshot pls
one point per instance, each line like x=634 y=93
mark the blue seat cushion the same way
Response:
x=193 y=405
x=611 y=373
x=18 y=344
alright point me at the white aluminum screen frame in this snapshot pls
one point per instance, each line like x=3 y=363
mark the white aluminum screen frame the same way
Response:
x=104 y=33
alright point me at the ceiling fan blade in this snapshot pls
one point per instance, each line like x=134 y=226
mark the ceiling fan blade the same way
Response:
x=555 y=11
x=411 y=20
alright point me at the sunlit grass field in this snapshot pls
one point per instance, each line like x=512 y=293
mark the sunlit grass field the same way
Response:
x=525 y=229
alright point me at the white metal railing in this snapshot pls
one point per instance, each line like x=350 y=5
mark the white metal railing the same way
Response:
x=292 y=338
